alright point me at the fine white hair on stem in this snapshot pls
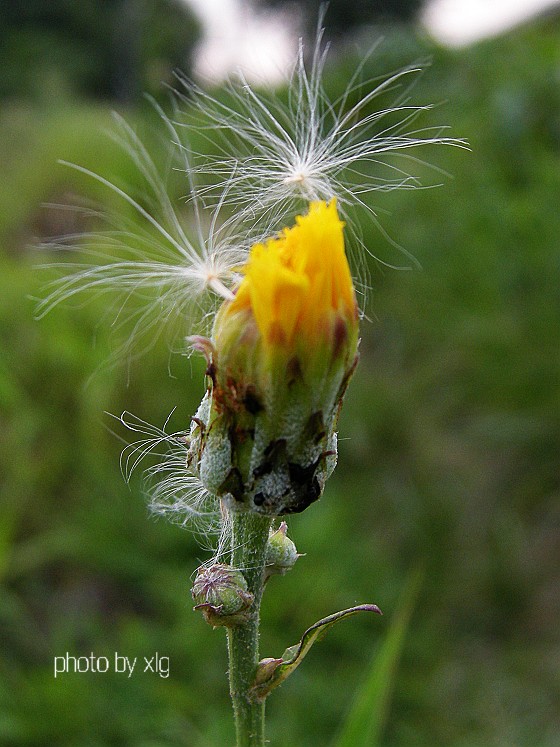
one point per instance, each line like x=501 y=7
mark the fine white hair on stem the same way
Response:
x=275 y=156
x=173 y=490
x=173 y=263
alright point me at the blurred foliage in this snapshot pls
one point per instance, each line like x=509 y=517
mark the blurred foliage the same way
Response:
x=111 y=49
x=343 y=17
x=448 y=456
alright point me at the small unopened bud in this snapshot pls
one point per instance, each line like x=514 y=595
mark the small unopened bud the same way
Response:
x=221 y=594
x=281 y=553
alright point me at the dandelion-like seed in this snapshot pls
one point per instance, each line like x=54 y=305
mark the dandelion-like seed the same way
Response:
x=275 y=156
x=178 y=263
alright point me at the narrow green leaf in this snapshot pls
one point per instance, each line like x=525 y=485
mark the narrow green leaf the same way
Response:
x=271 y=672
x=367 y=716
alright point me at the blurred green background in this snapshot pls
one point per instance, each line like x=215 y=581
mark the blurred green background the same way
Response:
x=450 y=433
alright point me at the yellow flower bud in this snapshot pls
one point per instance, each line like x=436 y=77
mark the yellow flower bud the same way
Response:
x=282 y=353
x=298 y=286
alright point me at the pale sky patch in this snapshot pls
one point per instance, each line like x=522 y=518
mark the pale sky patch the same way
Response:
x=461 y=22
x=261 y=44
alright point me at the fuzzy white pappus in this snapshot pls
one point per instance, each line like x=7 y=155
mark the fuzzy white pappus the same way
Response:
x=277 y=153
x=166 y=266
x=172 y=489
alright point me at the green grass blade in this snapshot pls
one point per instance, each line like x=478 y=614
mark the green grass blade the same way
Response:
x=368 y=713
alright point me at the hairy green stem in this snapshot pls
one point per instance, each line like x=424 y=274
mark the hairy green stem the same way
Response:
x=249 y=537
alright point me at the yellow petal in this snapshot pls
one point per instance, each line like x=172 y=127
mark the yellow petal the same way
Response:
x=294 y=283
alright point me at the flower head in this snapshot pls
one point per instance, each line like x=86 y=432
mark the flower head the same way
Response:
x=280 y=359
x=284 y=317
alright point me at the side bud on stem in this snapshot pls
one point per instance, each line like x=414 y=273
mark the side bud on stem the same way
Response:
x=281 y=553
x=221 y=594
x=281 y=356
